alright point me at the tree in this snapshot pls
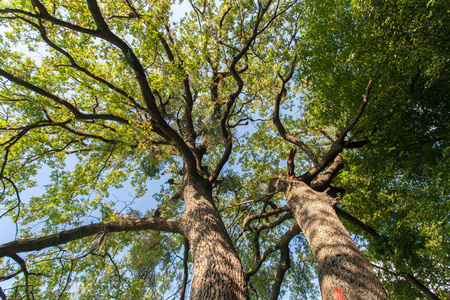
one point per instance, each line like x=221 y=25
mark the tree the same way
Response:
x=129 y=94
x=402 y=46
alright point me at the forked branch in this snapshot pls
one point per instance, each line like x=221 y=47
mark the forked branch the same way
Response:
x=339 y=144
x=265 y=226
x=277 y=122
x=324 y=179
x=229 y=106
x=284 y=241
x=274 y=212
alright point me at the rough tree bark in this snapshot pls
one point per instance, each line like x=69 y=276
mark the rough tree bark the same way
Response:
x=217 y=269
x=342 y=268
x=343 y=271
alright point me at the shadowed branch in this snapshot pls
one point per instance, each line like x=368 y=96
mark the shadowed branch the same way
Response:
x=284 y=240
x=339 y=144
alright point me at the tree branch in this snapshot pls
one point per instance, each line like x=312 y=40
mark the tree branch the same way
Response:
x=338 y=145
x=2 y=294
x=275 y=223
x=324 y=179
x=105 y=33
x=23 y=268
x=191 y=136
x=266 y=197
x=283 y=266
x=274 y=212
x=290 y=163
x=355 y=221
x=224 y=126
x=358 y=114
x=185 y=269
x=78 y=114
x=277 y=122
x=121 y=225
x=284 y=240
x=160 y=125
x=141 y=77
x=7 y=277
x=25 y=129
x=356 y=144
x=76 y=66
x=87 y=135
x=420 y=286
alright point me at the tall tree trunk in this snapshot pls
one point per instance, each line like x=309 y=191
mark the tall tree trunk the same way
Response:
x=344 y=272
x=217 y=269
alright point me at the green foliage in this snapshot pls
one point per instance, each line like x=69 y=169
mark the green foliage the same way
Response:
x=398 y=183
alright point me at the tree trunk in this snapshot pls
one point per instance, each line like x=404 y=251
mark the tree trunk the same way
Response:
x=344 y=272
x=217 y=269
